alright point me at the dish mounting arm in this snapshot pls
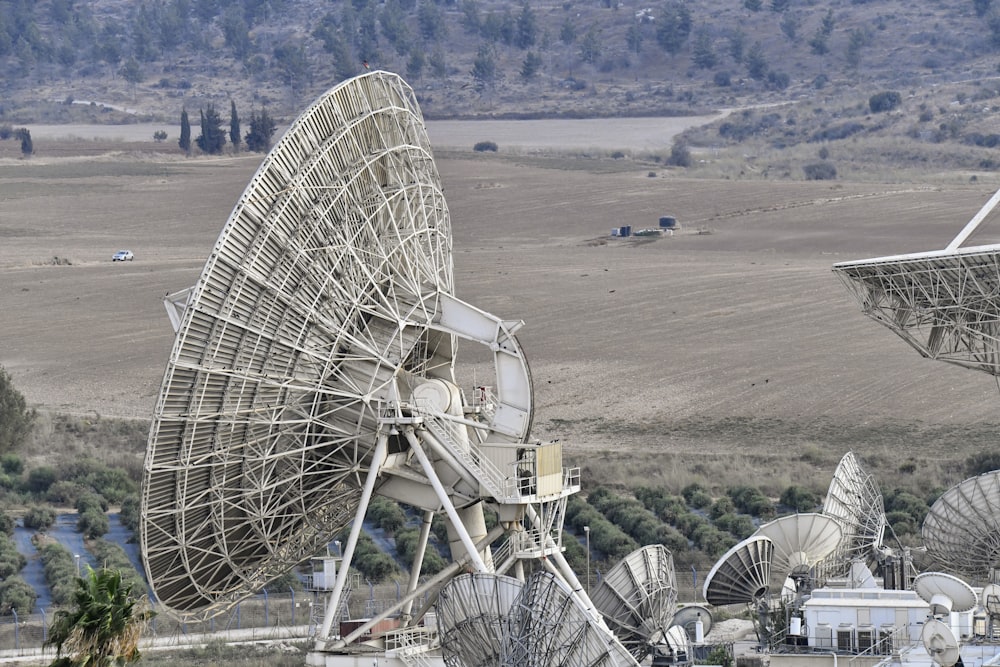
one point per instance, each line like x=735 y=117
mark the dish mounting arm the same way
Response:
x=514 y=394
x=973 y=224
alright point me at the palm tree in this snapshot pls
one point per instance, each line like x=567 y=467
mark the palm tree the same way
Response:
x=104 y=627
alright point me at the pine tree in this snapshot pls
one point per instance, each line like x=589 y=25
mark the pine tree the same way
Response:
x=27 y=147
x=234 y=127
x=212 y=137
x=185 y=141
x=484 y=69
x=532 y=63
x=702 y=52
x=262 y=128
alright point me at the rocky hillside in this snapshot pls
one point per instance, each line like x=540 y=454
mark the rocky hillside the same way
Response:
x=802 y=75
x=480 y=57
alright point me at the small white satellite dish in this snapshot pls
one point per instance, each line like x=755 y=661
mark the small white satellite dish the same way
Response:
x=940 y=643
x=989 y=599
x=688 y=616
x=944 y=592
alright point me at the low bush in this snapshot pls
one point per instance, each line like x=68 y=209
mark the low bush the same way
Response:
x=835 y=132
x=406 y=546
x=483 y=146
x=819 y=171
x=39 y=517
x=60 y=571
x=17 y=595
x=799 y=499
x=113 y=556
x=750 y=500
x=884 y=101
x=93 y=523
x=11 y=561
x=386 y=514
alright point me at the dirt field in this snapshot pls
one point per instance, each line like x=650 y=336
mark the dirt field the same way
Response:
x=706 y=356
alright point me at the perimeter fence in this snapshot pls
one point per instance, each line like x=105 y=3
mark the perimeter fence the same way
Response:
x=268 y=615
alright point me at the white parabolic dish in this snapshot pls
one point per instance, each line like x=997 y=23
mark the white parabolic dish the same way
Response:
x=945 y=593
x=801 y=541
x=742 y=575
x=960 y=530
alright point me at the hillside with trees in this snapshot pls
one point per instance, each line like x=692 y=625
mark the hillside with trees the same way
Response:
x=469 y=58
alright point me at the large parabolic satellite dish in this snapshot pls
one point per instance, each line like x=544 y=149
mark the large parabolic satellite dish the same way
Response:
x=314 y=366
x=856 y=501
x=944 y=303
x=962 y=529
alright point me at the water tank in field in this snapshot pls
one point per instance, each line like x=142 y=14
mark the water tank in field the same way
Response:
x=668 y=222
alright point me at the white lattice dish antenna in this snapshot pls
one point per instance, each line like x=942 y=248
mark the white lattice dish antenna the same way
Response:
x=801 y=541
x=945 y=593
x=943 y=303
x=638 y=597
x=688 y=616
x=474 y=616
x=742 y=575
x=855 y=499
x=550 y=630
x=961 y=531
x=314 y=366
x=940 y=643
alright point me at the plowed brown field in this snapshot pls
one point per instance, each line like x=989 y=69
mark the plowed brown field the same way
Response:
x=717 y=356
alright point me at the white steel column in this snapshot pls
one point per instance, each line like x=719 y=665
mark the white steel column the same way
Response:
x=442 y=495
x=378 y=457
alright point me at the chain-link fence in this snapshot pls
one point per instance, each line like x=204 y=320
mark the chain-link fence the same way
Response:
x=288 y=614
x=268 y=615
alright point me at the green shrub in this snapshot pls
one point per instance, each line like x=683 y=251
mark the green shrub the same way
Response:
x=40 y=517
x=60 y=571
x=980 y=463
x=40 y=479
x=406 y=546
x=720 y=507
x=65 y=493
x=680 y=155
x=93 y=523
x=11 y=561
x=90 y=501
x=112 y=556
x=483 y=146
x=11 y=464
x=130 y=512
x=17 y=595
x=799 y=499
x=884 y=101
x=820 y=171
x=696 y=496
x=16 y=419
x=739 y=526
x=750 y=500
x=386 y=514
x=6 y=523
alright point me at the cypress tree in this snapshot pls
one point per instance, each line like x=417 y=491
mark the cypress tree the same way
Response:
x=234 y=127
x=185 y=141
